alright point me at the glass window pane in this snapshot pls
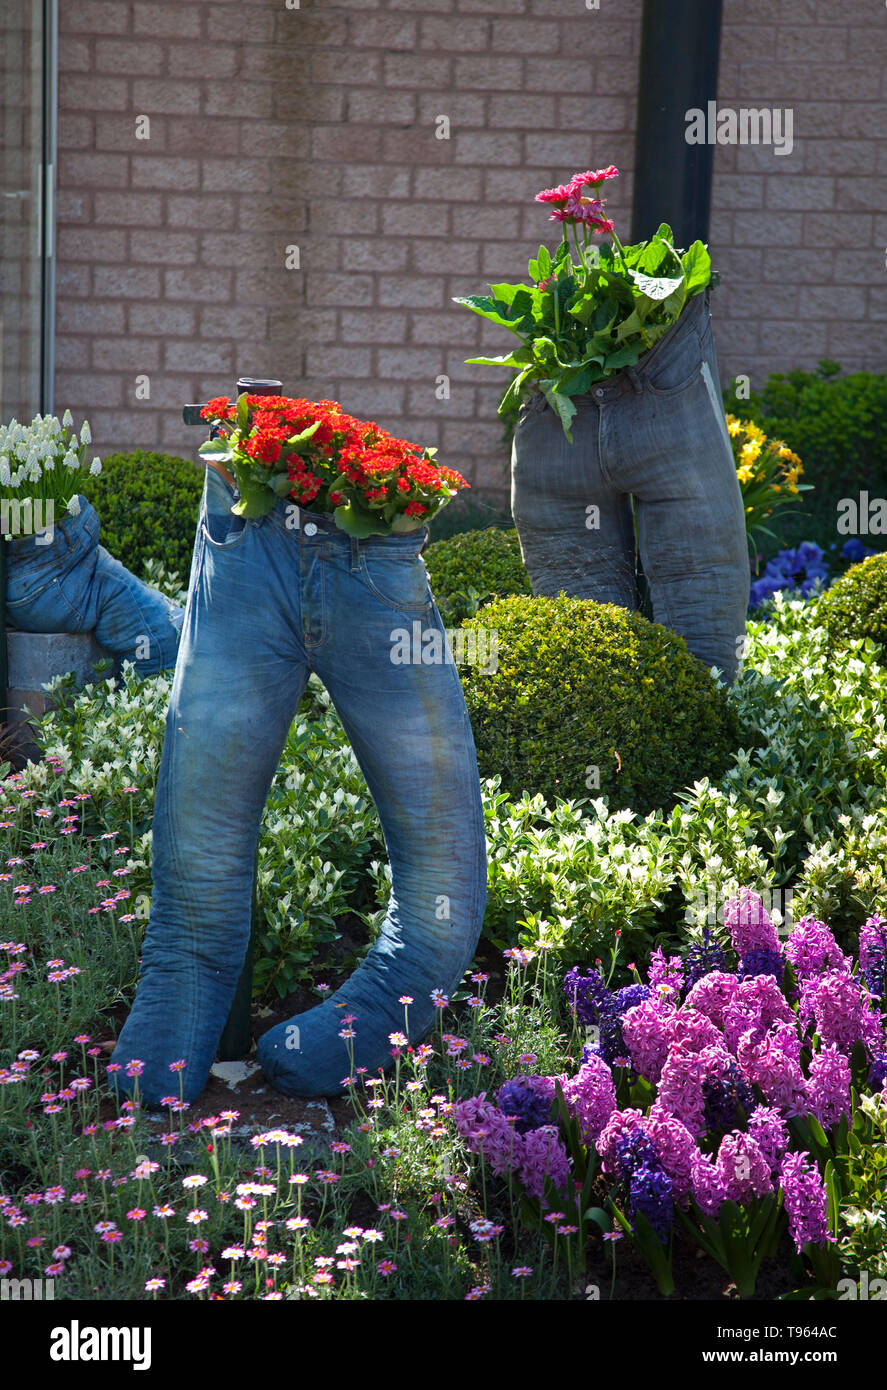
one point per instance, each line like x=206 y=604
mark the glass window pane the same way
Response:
x=22 y=106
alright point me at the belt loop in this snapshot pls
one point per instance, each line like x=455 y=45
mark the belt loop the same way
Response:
x=635 y=380
x=355 y=554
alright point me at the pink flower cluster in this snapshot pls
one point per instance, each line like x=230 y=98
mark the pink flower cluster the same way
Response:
x=728 y=1067
x=531 y=1157
x=571 y=203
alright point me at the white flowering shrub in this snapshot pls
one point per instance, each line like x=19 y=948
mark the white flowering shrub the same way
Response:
x=44 y=463
x=805 y=812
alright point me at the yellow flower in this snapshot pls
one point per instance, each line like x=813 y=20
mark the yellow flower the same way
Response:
x=734 y=426
x=754 y=432
x=744 y=473
x=750 y=451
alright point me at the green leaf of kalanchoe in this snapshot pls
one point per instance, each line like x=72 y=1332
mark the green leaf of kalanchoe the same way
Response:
x=256 y=499
x=356 y=521
x=218 y=449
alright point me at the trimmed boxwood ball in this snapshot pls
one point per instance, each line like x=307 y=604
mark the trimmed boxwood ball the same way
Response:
x=855 y=606
x=148 y=505
x=580 y=686
x=488 y=562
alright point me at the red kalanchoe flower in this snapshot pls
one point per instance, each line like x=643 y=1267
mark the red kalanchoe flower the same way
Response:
x=217 y=409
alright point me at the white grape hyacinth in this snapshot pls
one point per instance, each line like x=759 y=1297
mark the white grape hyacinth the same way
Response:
x=30 y=453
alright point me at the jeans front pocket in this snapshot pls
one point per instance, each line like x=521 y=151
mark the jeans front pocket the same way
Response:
x=677 y=371
x=396 y=575
x=220 y=527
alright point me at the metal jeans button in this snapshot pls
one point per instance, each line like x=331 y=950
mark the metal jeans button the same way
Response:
x=599 y=391
x=310 y=528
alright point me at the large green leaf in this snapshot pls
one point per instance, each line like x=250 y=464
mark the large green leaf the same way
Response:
x=255 y=499
x=526 y=307
x=506 y=294
x=697 y=268
x=486 y=307
x=540 y=267
x=545 y=351
x=402 y=524
x=359 y=521
x=674 y=303
x=518 y=358
x=625 y=356
x=219 y=449
x=633 y=324
x=622 y=289
x=305 y=434
x=657 y=287
x=575 y=382
x=562 y=406
x=280 y=484
x=591 y=308
x=512 y=392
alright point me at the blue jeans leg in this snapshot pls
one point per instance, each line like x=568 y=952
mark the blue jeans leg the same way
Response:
x=267 y=605
x=410 y=731
x=75 y=585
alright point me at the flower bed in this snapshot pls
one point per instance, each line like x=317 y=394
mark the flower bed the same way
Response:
x=570 y=885
x=722 y=1094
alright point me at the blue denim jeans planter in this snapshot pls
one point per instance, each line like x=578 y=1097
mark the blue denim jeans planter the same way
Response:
x=267 y=605
x=72 y=584
x=655 y=432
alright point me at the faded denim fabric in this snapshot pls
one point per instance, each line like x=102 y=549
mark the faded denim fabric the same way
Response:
x=655 y=432
x=73 y=584
x=267 y=605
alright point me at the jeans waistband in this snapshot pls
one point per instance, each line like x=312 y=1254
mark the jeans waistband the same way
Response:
x=630 y=379
x=320 y=528
x=69 y=530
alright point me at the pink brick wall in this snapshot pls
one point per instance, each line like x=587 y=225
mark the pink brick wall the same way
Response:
x=801 y=238
x=316 y=127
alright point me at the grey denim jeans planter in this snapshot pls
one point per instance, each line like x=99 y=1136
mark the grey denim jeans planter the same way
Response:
x=655 y=432
x=73 y=584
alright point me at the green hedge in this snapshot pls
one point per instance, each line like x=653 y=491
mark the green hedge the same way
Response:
x=148 y=505
x=589 y=699
x=469 y=569
x=855 y=606
x=467 y=512
x=836 y=424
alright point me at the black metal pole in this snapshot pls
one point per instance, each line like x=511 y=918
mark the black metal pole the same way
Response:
x=680 y=45
x=235 y=1040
